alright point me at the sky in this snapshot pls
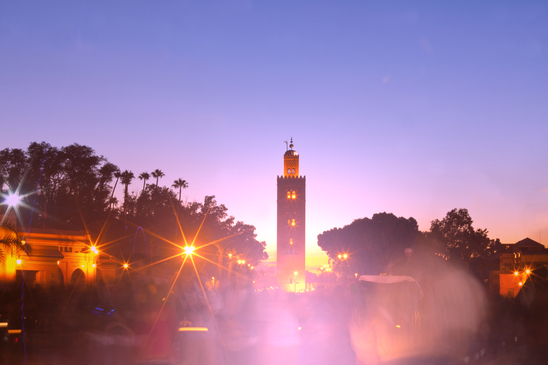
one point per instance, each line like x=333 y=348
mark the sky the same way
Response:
x=407 y=107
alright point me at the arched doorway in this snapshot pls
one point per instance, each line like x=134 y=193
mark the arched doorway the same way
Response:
x=78 y=277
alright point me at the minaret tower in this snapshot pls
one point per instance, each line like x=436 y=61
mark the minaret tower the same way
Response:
x=291 y=225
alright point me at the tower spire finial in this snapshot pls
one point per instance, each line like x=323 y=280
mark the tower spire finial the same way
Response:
x=291 y=144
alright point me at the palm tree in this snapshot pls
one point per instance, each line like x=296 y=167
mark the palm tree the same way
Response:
x=126 y=178
x=157 y=174
x=144 y=176
x=117 y=175
x=181 y=184
x=9 y=241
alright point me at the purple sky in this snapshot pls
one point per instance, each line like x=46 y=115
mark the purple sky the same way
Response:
x=409 y=107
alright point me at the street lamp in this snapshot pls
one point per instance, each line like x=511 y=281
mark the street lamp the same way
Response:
x=189 y=250
x=12 y=200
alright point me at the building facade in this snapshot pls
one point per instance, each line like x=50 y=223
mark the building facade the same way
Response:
x=52 y=258
x=517 y=262
x=291 y=225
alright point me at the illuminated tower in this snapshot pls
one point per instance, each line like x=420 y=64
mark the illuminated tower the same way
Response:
x=291 y=224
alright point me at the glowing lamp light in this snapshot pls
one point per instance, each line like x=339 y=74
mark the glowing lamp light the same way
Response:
x=527 y=271
x=83 y=265
x=520 y=283
x=12 y=200
x=94 y=250
x=345 y=256
x=295 y=273
x=340 y=256
x=189 y=249
x=93 y=265
x=243 y=261
x=515 y=273
x=18 y=261
x=125 y=266
x=229 y=255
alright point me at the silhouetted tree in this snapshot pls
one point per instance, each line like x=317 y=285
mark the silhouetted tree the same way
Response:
x=71 y=183
x=371 y=245
x=126 y=178
x=144 y=176
x=9 y=241
x=157 y=174
x=117 y=175
x=456 y=240
x=180 y=184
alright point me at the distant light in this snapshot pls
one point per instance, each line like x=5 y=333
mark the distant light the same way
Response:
x=515 y=273
x=189 y=250
x=3 y=324
x=18 y=261
x=229 y=255
x=57 y=262
x=340 y=256
x=125 y=266
x=252 y=267
x=520 y=283
x=12 y=200
x=92 y=265
x=11 y=332
x=94 y=250
x=528 y=271
x=83 y=265
x=213 y=278
x=243 y=261
x=295 y=273
x=398 y=326
x=193 y=329
x=345 y=255
x=299 y=328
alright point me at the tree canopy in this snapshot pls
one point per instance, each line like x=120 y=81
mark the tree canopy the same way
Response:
x=72 y=188
x=371 y=244
x=374 y=245
x=456 y=240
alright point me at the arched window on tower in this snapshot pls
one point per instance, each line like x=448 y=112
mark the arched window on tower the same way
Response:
x=293 y=170
x=289 y=171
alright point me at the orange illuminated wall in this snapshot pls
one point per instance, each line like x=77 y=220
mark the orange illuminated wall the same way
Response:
x=53 y=258
x=291 y=225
